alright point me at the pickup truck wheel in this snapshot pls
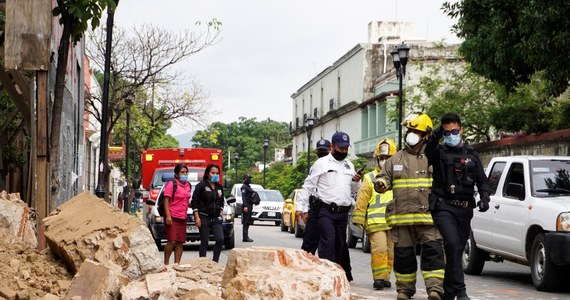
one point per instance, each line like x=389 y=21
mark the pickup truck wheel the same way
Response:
x=350 y=239
x=545 y=275
x=230 y=242
x=365 y=243
x=473 y=259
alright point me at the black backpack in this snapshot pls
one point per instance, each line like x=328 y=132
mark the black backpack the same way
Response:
x=160 y=202
x=255 y=198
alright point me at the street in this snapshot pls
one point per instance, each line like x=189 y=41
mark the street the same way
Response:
x=498 y=280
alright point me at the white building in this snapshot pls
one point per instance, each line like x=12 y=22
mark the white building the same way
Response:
x=358 y=93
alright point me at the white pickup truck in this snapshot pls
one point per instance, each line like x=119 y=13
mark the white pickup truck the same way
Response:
x=528 y=221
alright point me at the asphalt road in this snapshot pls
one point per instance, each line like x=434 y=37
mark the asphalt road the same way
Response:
x=498 y=280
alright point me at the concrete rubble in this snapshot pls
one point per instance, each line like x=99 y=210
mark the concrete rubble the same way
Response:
x=98 y=252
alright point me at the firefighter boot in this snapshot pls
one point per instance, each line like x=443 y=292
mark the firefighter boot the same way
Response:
x=378 y=284
x=433 y=295
x=403 y=296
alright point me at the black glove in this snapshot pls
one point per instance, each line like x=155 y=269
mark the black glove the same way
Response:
x=437 y=133
x=483 y=206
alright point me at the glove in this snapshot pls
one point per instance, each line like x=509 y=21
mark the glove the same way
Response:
x=438 y=133
x=483 y=206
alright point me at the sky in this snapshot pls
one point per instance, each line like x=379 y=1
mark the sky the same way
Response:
x=268 y=49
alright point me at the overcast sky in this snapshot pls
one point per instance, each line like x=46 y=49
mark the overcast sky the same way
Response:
x=270 y=48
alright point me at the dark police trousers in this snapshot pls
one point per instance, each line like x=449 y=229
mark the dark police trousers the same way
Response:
x=454 y=225
x=332 y=231
x=311 y=239
x=245 y=220
x=213 y=225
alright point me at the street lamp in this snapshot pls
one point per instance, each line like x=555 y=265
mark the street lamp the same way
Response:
x=128 y=103
x=400 y=59
x=265 y=145
x=236 y=158
x=309 y=121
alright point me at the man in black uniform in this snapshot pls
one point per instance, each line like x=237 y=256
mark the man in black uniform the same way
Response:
x=457 y=168
x=247 y=207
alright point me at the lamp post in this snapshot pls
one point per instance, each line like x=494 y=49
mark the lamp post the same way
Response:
x=400 y=59
x=265 y=145
x=128 y=103
x=103 y=145
x=236 y=158
x=309 y=126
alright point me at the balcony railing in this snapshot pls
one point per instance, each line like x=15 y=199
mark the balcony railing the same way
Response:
x=368 y=145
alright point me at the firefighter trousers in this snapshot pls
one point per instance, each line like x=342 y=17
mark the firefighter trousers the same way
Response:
x=381 y=254
x=432 y=262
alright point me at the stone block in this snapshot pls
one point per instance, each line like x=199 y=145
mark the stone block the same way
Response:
x=95 y=281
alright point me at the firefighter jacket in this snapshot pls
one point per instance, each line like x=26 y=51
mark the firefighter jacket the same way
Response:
x=456 y=171
x=408 y=175
x=371 y=206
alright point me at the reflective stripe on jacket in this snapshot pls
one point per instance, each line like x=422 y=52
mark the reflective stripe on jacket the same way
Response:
x=371 y=206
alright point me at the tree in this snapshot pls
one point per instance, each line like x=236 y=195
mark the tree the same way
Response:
x=75 y=17
x=508 y=41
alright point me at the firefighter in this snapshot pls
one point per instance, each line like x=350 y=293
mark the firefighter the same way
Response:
x=457 y=168
x=369 y=213
x=408 y=175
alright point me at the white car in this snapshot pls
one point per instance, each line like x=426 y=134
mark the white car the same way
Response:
x=269 y=208
x=236 y=192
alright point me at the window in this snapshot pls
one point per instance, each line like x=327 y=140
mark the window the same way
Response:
x=331 y=104
x=515 y=182
x=315 y=113
x=495 y=176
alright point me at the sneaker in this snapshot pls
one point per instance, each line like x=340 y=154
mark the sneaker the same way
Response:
x=463 y=295
x=247 y=240
x=378 y=284
x=433 y=295
x=403 y=296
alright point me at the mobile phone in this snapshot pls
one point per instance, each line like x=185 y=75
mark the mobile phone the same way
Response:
x=361 y=170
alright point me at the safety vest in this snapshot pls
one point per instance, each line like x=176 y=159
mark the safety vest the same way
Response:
x=376 y=213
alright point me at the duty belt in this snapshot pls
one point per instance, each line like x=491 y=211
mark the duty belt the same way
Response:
x=333 y=208
x=455 y=202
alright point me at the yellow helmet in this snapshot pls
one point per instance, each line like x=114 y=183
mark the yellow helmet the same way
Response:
x=385 y=147
x=419 y=121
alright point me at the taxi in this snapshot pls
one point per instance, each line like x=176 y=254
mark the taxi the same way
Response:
x=288 y=220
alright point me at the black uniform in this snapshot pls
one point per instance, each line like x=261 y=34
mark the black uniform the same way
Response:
x=246 y=196
x=209 y=203
x=456 y=170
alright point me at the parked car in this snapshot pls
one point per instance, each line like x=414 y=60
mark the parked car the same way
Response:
x=155 y=223
x=269 y=208
x=236 y=193
x=355 y=233
x=528 y=221
x=288 y=220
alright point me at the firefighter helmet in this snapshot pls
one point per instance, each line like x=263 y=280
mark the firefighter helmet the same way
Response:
x=419 y=121
x=385 y=147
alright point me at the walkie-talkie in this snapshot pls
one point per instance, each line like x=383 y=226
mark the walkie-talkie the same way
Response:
x=361 y=170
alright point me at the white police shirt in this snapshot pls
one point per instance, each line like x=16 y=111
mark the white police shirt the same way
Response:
x=332 y=179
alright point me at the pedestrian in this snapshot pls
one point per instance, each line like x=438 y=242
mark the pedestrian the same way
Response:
x=407 y=174
x=247 y=207
x=120 y=201
x=457 y=169
x=110 y=198
x=333 y=179
x=311 y=235
x=175 y=212
x=370 y=214
x=207 y=205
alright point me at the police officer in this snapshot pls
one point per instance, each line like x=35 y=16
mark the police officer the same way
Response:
x=456 y=170
x=408 y=175
x=311 y=235
x=370 y=213
x=247 y=207
x=333 y=178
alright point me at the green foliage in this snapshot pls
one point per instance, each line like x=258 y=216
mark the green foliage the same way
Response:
x=79 y=14
x=509 y=41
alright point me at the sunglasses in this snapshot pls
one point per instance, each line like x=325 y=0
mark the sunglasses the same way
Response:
x=450 y=132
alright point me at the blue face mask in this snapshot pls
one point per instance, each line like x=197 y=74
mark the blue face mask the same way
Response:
x=215 y=178
x=183 y=178
x=452 y=140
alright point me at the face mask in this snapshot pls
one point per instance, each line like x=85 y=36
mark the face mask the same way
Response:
x=339 y=155
x=452 y=140
x=248 y=181
x=183 y=178
x=412 y=139
x=382 y=163
x=322 y=154
x=215 y=178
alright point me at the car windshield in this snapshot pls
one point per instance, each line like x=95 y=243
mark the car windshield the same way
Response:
x=270 y=195
x=550 y=178
x=162 y=176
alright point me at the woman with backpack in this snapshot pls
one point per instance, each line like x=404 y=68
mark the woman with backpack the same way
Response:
x=175 y=210
x=208 y=205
